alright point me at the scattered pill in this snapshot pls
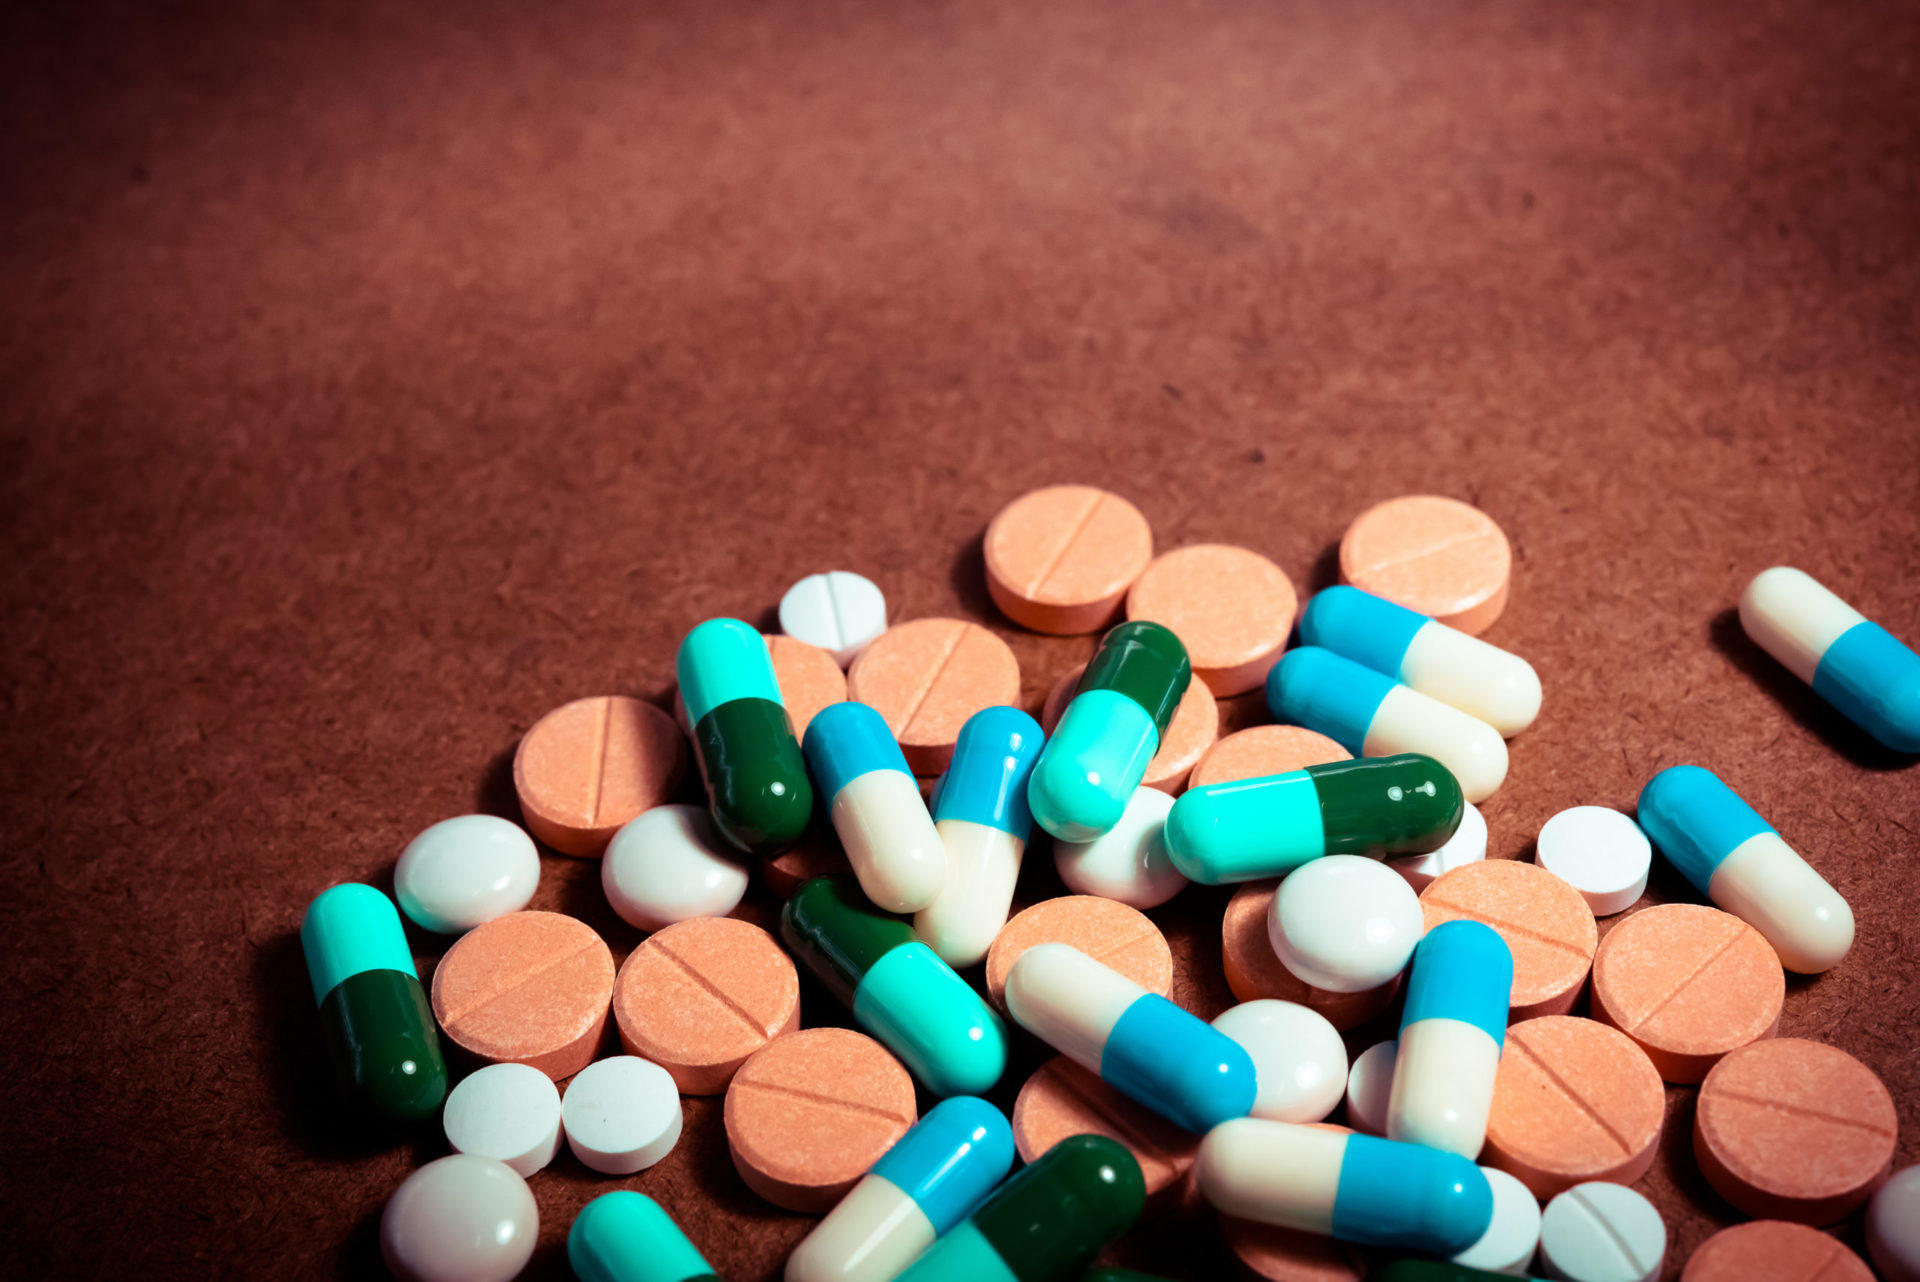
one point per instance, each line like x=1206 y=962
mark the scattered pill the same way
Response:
x=1855 y=665
x=528 y=988
x=508 y=1112
x=1191 y=731
x=1451 y=1031
x=1768 y=1110
x=927 y=677
x=461 y=872
x=743 y=739
x=1436 y=556
x=1260 y=751
x=1370 y=1087
x=1575 y=1101
x=839 y=612
x=1687 y=983
x=1467 y=845
x=1129 y=861
x=700 y=996
x=1062 y=1099
x=1061 y=559
x=589 y=766
x=1893 y=1227
x=1510 y=1241
x=1345 y=924
x=668 y=865
x=1233 y=610
x=808 y=678
x=1733 y=857
x=1253 y=972
x=1770 y=1249
x=1103 y=929
x=1602 y=1233
x=1547 y=927
x=1599 y=852
x=983 y=823
x=462 y=1218
x=625 y=1236
x=1269 y=1253
x=862 y=776
x=1299 y=1061
x=622 y=1114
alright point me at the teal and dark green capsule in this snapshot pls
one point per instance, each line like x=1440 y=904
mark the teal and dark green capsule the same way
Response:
x=625 y=1236
x=757 y=786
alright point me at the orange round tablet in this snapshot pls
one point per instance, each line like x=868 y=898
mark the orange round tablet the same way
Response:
x=1774 y=1251
x=1254 y=972
x=1063 y=1099
x=1231 y=608
x=1061 y=559
x=1574 y=1101
x=1688 y=983
x=1434 y=555
x=927 y=677
x=1545 y=922
x=528 y=988
x=1788 y=1129
x=807 y=1114
x=700 y=996
x=1269 y=1253
x=589 y=766
x=1191 y=731
x=1104 y=929
x=810 y=678
x=1265 y=750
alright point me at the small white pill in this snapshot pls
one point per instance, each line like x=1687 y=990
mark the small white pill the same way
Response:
x=668 y=864
x=1514 y=1235
x=509 y=1112
x=622 y=1114
x=1599 y=852
x=1344 y=923
x=1602 y=1233
x=1299 y=1061
x=463 y=1218
x=1370 y=1087
x=1893 y=1227
x=1128 y=862
x=465 y=871
x=1468 y=845
x=840 y=612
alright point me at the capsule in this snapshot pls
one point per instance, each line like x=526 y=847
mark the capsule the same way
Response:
x=898 y=989
x=1451 y=1032
x=1854 y=664
x=1099 y=752
x=876 y=807
x=981 y=812
x=379 y=1027
x=1425 y=654
x=1046 y=1223
x=1372 y=715
x=1253 y=828
x=626 y=1237
x=756 y=778
x=1140 y=1043
x=925 y=1184
x=1733 y=857
x=1353 y=1187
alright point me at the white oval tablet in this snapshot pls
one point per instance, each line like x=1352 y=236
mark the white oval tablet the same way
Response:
x=462 y=872
x=841 y=612
x=1599 y=852
x=1300 y=1063
x=668 y=864
x=1514 y=1235
x=1344 y=923
x=1468 y=845
x=1370 y=1086
x=509 y=1112
x=1128 y=862
x=463 y=1218
x=1602 y=1233
x=622 y=1114
x=1893 y=1227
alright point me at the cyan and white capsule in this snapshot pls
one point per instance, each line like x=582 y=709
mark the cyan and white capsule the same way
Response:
x=929 y=1181
x=876 y=807
x=1451 y=1032
x=625 y=1236
x=1853 y=663
x=1736 y=859
x=980 y=812
x=1372 y=715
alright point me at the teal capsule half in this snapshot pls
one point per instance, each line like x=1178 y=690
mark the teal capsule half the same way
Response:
x=627 y=1237
x=756 y=779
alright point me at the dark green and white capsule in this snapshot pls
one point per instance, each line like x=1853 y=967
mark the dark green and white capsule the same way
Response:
x=757 y=786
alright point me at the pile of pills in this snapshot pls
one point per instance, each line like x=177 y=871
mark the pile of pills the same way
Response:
x=880 y=781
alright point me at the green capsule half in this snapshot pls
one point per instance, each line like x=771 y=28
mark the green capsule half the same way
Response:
x=625 y=1236
x=757 y=785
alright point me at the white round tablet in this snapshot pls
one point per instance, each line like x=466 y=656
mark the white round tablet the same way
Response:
x=465 y=871
x=1128 y=862
x=840 y=612
x=1344 y=923
x=1370 y=1086
x=1514 y=1235
x=1468 y=845
x=1893 y=1227
x=1599 y=852
x=463 y=1218
x=1602 y=1233
x=622 y=1114
x=1299 y=1061
x=668 y=864
x=509 y=1112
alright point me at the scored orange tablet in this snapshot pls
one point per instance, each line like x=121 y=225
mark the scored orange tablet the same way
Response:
x=1231 y=608
x=1573 y=1101
x=1104 y=929
x=1437 y=556
x=927 y=677
x=1545 y=923
x=700 y=996
x=589 y=766
x=527 y=988
x=1061 y=559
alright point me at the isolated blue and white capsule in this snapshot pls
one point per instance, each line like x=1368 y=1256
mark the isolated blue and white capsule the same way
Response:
x=876 y=807
x=1140 y=1043
x=980 y=812
x=1482 y=680
x=1371 y=715
x=1353 y=1187
x=924 y=1185
x=1854 y=664
x=1451 y=1032
x=1736 y=859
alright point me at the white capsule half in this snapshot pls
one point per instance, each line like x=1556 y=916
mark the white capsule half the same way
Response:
x=1409 y=721
x=871 y=1236
x=1068 y=1000
x=1253 y=1169
x=983 y=863
x=1443 y=1076
x=1481 y=680
x=1766 y=884
x=890 y=840
x=1794 y=618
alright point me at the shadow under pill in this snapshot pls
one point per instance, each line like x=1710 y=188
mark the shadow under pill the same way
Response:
x=360 y=1252
x=1325 y=572
x=968 y=578
x=494 y=794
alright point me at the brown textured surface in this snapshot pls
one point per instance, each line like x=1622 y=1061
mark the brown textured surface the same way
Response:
x=1574 y=1101
x=381 y=376
x=1193 y=728
x=1546 y=924
x=1774 y=1251
x=700 y=996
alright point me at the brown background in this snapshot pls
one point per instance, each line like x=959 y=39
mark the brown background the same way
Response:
x=375 y=380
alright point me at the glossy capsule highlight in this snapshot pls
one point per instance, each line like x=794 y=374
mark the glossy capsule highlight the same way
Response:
x=1452 y=1030
x=922 y=1187
x=876 y=808
x=1267 y=827
x=1850 y=661
x=756 y=779
x=1112 y=727
x=897 y=988
x=627 y=1237
x=980 y=811
x=379 y=1028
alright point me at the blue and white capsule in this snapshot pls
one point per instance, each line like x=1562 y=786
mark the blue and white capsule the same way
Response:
x=1736 y=859
x=875 y=803
x=980 y=811
x=929 y=1181
x=1140 y=1043
x=1853 y=663
x=1481 y=680
x=1353 y=1187
x=1451 y=1033
x=1372 y=715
